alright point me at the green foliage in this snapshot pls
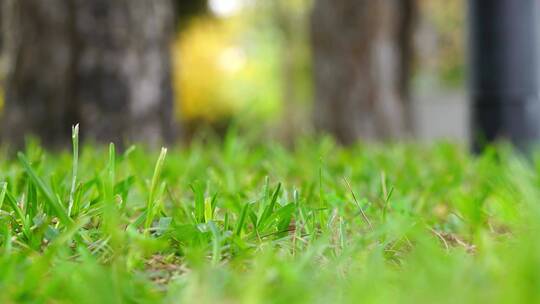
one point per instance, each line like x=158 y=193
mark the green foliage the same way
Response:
x=251 y=221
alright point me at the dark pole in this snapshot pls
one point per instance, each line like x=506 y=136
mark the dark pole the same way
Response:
x=504 y=72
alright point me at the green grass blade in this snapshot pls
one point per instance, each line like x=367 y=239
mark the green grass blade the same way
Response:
x=154 y=189
x=19 y=214
x=139 y=220
x=242 y=220
x=3 y=194
x=208 y=212
x=270 y=207
x=31 y=207
x=12 y=202
x=74 y=166
x=111 y=174
x=50 y=198
x=198 y=191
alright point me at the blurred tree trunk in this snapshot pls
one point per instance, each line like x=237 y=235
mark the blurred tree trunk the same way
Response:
x=362 y=54
x=39 y=86
x=103 y=63
x=123 y=67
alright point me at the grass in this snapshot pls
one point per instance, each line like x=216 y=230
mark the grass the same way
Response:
x=253 y=222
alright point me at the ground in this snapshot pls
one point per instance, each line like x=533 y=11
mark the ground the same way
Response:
x=251 y=221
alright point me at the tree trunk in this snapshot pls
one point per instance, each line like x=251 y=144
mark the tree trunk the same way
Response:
x=38 y=83
x=362 y=51
x=103 y=63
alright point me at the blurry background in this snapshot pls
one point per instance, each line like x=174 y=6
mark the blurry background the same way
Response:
x=356 y=69
x=261 y=50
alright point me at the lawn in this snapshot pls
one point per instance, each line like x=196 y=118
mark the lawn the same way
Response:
x=249 y=221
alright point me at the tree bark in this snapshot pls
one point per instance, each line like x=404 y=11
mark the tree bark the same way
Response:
x=362 y=54
x=38 y=83
x=102 y=63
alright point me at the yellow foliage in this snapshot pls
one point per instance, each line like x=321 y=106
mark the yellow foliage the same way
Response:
x=224 y=67
x=207 y=60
